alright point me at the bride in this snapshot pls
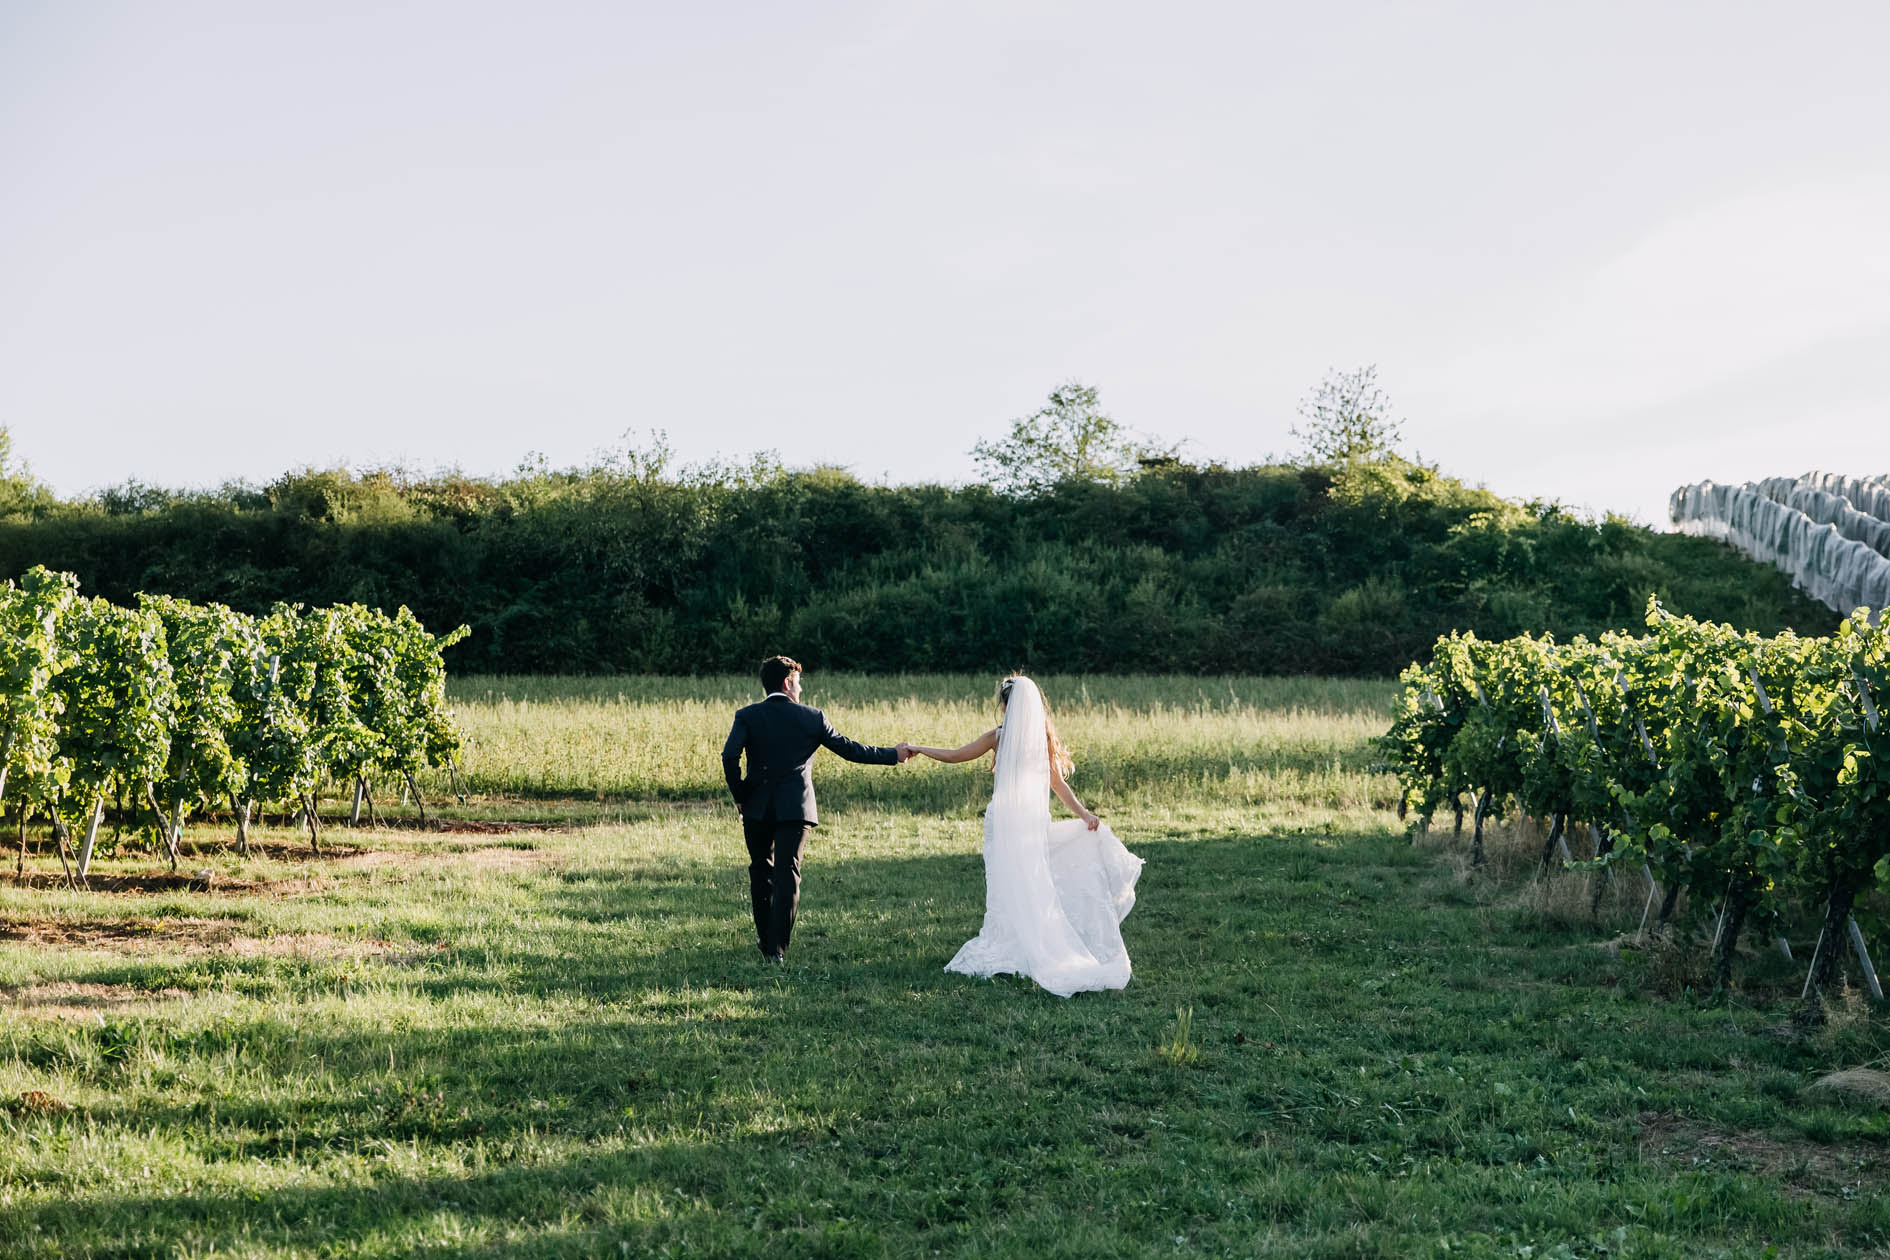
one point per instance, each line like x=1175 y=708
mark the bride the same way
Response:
x=1055 y=893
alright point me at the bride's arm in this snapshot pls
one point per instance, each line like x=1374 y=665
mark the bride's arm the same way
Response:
x=970 y=752
x=1068 y=797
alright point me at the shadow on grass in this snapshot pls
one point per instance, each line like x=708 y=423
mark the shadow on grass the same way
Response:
x=648 y=1081
x=666 y=992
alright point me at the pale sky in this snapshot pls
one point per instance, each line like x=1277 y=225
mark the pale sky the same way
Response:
x=1596 y=250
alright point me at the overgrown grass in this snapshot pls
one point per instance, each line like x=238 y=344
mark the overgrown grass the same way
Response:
x=1258 y=743
x=562 y=1043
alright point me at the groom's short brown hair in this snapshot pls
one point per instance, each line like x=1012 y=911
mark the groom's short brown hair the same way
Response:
x=775 y=671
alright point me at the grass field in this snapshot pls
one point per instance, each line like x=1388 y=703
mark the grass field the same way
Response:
x=557 y=1040
x=1259 y=743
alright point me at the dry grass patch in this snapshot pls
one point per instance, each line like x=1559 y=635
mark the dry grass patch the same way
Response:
x=1803 y=1167
x=148 y=883
x=69 y=999
x=120 y=936
x=1614 y=944
x=478 y=856
x=500 y=827
x=1614 y=899
x=194 y=937
x=1866 y=1085
x=334 y=864
x=503 y=858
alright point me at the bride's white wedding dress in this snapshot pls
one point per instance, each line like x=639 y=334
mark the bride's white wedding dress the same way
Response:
x=1055 y=893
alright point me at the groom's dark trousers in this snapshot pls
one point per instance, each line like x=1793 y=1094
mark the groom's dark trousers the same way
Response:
x=776 y=797
x=774 y=878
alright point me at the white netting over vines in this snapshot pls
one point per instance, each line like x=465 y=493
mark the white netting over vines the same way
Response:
x=1829 y=533
x=1869 y=495
x=1831 y=508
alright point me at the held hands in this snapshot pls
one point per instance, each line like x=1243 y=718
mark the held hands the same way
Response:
x=905 y=752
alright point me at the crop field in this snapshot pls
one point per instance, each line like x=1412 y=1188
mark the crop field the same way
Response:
x=540 y=1027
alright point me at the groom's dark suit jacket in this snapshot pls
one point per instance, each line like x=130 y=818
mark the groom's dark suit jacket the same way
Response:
x=781 y=738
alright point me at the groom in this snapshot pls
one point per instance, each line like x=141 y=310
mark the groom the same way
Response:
x=776 y=798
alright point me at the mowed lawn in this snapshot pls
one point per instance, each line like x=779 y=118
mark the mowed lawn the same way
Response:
x=547 y=1032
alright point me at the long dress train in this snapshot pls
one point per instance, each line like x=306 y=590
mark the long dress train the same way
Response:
x=1055 y=892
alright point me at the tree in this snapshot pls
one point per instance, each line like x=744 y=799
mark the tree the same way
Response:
x=21 y=493
x=1347 y=419
x=1067 y=439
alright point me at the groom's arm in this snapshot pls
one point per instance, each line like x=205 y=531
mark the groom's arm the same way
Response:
x=853 y=750
x=732 y=757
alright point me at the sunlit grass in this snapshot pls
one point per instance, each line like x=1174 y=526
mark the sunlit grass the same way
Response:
x=1169 y=741
x=561 y=1042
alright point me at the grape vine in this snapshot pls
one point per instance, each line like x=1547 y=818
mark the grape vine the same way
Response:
x=172 y=708
x=1752 y=772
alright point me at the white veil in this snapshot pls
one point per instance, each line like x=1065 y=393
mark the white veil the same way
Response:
x=1020 y=792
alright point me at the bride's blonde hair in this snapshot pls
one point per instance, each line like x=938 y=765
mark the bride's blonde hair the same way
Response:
x=1059 y=756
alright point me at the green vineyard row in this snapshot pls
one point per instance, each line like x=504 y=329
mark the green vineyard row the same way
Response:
x=1753 y=772
x=169 y=707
